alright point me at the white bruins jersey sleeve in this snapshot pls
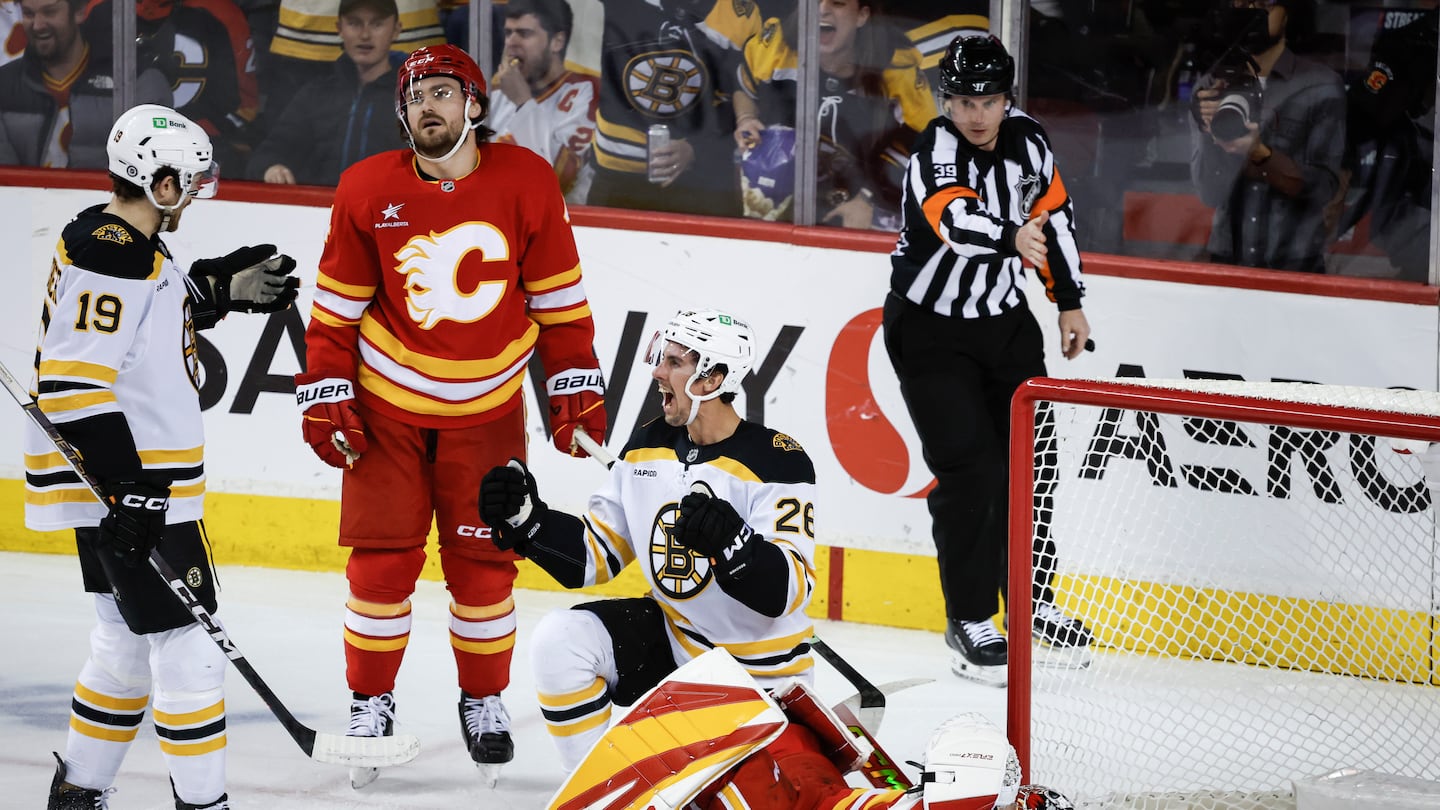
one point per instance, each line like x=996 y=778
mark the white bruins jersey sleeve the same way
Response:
x=770 y=481
x=117 y=372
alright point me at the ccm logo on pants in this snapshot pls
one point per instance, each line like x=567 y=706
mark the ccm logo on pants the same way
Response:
x=482 y=532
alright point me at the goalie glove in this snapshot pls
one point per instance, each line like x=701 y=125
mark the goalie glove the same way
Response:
x=577 y=397
x=510 y=505
x=250 y=279
x=331 y=423
x=710 y=526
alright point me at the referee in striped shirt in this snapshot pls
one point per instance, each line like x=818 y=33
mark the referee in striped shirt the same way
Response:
x=983 y=200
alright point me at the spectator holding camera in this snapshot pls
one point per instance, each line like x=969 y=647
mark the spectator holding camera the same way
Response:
x=1270 y=136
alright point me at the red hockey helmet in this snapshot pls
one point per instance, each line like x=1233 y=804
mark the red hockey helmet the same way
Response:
x=441 y=60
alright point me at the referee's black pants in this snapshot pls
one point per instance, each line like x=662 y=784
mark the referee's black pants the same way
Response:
x=957 y=377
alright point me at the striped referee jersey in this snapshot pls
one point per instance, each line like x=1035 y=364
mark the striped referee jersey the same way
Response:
x=962 y=207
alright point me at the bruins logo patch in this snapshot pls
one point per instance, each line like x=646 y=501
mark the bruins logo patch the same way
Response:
x=786 y=443
x=743 y=8
x=679 y=572
x=111 y=232
x=194 y=578
x=665 y=84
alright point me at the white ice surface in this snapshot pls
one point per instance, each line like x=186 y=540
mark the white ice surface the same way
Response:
x=288 y=625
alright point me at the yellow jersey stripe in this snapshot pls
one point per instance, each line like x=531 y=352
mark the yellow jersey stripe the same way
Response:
x=406 y=400
x=78 y=368
x=554 y=282
x=441 y=368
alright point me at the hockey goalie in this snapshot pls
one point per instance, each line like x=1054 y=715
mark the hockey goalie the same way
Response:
x=709 y=738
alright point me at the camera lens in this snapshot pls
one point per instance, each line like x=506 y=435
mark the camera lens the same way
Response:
x=1230 y=118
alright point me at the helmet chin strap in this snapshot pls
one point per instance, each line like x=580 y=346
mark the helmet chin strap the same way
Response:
x=696 y=400
x=167 y=212
x=458 y=141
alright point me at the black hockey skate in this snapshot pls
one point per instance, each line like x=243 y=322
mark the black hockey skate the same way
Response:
x=370 y=717
x=1063 y=641
x=978 y=651
x=485 y=724
x=68 y=797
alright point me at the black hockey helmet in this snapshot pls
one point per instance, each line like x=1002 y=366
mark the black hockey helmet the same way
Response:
x=976 y=66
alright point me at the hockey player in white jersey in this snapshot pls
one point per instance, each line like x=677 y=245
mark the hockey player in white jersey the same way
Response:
x=117 y=371
x=717 y=511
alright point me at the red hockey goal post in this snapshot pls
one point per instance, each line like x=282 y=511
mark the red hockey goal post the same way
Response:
x=1260 y=567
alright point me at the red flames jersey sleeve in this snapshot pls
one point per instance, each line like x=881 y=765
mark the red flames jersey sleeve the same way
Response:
x=433 y=295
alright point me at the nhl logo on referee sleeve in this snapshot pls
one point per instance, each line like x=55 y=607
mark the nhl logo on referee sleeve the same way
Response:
x=1028 y=191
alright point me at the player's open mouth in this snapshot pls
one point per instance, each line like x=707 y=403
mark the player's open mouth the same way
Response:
x=667 y=398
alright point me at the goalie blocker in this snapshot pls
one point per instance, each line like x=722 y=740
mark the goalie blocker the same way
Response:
x=736 y=745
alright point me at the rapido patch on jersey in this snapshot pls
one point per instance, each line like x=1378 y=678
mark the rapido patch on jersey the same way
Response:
x=113 y=232
x=786 y=443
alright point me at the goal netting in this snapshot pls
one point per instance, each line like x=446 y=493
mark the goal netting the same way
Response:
x=1258 y=564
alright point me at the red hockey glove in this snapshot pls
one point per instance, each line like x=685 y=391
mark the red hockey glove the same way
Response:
x=332 y=424
x=577 y=397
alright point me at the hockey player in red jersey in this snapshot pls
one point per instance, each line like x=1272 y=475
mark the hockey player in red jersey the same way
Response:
x=446 y=267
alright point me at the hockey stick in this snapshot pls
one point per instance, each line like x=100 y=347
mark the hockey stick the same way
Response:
x=872 y=700
x=596 y=450
x=334 y=749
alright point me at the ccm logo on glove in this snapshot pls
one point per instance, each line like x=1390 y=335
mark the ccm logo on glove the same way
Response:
x=150 y=504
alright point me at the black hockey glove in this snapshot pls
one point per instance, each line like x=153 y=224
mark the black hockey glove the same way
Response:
x=510 y=505
x=136 y=521
x=250 y=279
x=712 y=527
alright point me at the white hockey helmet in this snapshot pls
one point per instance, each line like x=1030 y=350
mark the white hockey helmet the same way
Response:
x=717 y=338
x=149 y=137
x=970 y=765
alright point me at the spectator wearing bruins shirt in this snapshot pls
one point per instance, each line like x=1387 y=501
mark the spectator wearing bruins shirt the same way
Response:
x=669 y=62
x=874 y=100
